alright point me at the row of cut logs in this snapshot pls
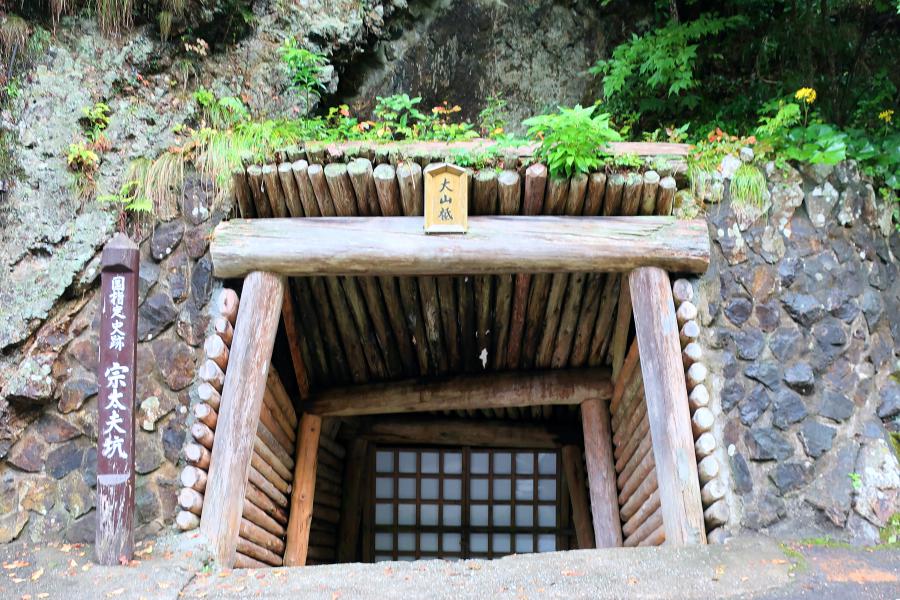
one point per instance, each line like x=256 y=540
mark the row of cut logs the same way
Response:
x=639 y=506
x=212 y=375
x=261 y=536
x=712 y=484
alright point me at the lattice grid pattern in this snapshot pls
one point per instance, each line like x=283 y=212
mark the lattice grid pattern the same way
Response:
x=462 y=503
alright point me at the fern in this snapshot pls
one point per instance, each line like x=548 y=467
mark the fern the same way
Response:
x=658 y=67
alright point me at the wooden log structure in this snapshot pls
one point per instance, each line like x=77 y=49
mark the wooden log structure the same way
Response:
x=238 y=417
x=465 y=392
x=395 y=246
x=667 y=406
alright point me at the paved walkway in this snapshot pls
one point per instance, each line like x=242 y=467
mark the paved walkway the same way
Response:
x=178 y=567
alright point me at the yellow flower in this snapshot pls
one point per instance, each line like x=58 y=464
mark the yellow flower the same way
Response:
x=498 y=131
x=808 y=95
x=887 y=115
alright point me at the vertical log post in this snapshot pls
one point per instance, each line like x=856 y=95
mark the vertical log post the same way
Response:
x=601 y=471
x=667 y=406
x=116 y=375
x=352 y=501
x=581 y=512
x=239 y=410
x=300 y=520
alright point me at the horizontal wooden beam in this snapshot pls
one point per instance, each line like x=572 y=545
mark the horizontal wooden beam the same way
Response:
x=465 y=392
x=467 y=432
x=493 y=245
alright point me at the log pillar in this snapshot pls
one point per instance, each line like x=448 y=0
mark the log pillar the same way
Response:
x=239 y=410
x=601 y=472
x=667 y=406
x=300 y=520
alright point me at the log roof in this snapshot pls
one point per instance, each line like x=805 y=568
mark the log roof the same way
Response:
x=365 y=329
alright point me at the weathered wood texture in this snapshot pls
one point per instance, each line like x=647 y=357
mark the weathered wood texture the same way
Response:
x=667 y=406
x=449 y=431
x=301 y=512
x=465 y=392
x=396 y=246
x=242 y=397
x=601 y=473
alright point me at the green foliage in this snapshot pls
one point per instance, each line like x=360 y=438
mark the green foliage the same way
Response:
x=572 y=140
x=304 y=69
x=400 y=116
x=81 y=158
x=655 y=72
x=491 y=122
x=476 y=158
x=624 y=162
x=221 y=113
x=855 y=481
x=748 y=188
x=890 y=533
x=128 y=198
x=95 y=119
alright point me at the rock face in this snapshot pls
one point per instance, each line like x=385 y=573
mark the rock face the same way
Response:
x=803 y=358
x=453 y=50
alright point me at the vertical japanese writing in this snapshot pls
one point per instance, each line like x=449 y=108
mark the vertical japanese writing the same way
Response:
x=116 y=375
x=446 y=198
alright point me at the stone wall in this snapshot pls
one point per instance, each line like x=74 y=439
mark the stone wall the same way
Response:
x=48 y=475
x=801 y=309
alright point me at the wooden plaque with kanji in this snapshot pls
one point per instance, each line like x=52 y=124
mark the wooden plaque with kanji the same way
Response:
x=446 y=199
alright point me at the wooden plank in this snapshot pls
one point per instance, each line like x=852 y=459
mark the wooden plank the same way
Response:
x=444 y=431
x=494 y=245
x=601 y=472
x=351 y=501
x=665 y=393
x=302 y=498
x=465 y=392
x=581 y=511
x=239 y=410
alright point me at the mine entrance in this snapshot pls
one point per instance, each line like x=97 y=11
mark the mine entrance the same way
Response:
x=555 y=331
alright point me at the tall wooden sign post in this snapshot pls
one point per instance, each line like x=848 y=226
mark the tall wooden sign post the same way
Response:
x=116 y=379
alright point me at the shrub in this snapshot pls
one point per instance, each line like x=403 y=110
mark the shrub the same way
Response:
x=572 y=140
x=304 y=69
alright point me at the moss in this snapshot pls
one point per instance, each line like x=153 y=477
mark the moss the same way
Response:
x=824 y=542
x=798 y=561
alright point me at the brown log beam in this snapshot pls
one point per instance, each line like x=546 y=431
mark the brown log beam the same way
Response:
x=581 y=511
x=242 y=397
x=601 y=473
x=465 y=432
x=301 y=513
x=493 y=245
x=465 y=392
x=665 y=394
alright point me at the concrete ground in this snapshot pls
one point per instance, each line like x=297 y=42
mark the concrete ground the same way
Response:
x=179 y=567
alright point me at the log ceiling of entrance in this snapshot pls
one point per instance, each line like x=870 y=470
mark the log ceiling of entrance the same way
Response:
x=536 y=284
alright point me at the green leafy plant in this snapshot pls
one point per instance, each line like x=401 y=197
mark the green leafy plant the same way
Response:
x=304 y=69
x=221 y=113
x=491 y=122
x=83 y=161
x=572 y=140
x=651 y=71
x=95 y=120
x=400 y=116
x=855 y=481
x=624 y=162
